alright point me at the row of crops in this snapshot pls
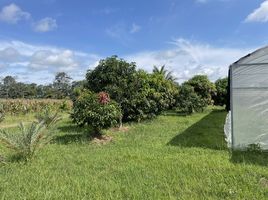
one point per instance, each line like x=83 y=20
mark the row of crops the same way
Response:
x=24 y=106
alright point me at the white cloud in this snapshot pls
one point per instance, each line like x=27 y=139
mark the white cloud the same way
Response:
x=135 y=28
x=13 y=13
x=64 y=60
x=45 y=25
x=184 y=57
x=189 y=58
x=37 y=60
x=260 y=14
x=9 y=54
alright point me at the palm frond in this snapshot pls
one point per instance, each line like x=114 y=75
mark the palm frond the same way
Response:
x=48 y=118
x=27 y=141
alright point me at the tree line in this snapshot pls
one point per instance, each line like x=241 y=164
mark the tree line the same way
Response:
x=61 y=87
x=121 y=80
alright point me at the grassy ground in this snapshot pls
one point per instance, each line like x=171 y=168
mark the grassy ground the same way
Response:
x=171 y=157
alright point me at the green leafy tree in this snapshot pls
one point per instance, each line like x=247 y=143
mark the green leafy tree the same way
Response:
x=220 y=98
x=203 y=87
x=114 y=76
x=188 y=101
x=140 y=95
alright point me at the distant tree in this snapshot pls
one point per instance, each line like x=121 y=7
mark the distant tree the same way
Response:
x=203 y=87
x=62 y=84
x=164 y=72
x=8 y=87
x=221 y=96
x=9 y=80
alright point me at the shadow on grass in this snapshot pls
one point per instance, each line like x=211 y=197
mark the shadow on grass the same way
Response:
x=206 y=133
x=73 y=134
x=249 y=157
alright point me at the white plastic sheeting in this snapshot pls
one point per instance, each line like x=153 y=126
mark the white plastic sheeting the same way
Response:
x=228 y=130
x=249 y=100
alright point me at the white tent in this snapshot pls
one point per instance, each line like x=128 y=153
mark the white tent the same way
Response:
x=248 y=79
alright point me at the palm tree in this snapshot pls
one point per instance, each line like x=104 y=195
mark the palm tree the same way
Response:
x=165 y=73
x=27 y=141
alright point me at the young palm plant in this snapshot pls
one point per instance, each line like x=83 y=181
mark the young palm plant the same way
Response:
x=27 y=141
x=2 y=116
x=48 y=118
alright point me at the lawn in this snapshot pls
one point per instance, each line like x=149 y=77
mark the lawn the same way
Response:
x=170 y=157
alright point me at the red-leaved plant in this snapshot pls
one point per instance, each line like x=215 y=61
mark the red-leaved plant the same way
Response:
x=104 y=98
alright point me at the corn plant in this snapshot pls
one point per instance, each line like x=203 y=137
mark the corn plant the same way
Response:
x=24 y=106
x=48 y=118
x=27 y=141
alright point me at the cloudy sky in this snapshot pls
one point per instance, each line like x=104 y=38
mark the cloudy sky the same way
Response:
x=40 y=38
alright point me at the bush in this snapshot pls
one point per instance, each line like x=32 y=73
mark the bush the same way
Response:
x=188 y=101
x=27 y=141
x=139 y=94
x=95 y=110
x=221 y=96
x=203 y=88
x=148 y=95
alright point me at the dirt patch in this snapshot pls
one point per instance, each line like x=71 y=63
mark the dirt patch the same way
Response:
x=263 y=182
x=122 y=129
x=101 y=140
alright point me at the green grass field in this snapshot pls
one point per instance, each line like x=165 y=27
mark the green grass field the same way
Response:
x=171 y=157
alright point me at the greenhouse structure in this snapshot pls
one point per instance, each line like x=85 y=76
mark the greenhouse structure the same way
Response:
x=247 y=121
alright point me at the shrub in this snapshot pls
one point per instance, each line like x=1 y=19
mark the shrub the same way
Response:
x=27 y=141
x=203 y=88
x=188 y=101
x=147 y=96
x=95 y=110
x=139 y=94
x=221 y=96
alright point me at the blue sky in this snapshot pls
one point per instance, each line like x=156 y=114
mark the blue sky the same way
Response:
x=40 y=38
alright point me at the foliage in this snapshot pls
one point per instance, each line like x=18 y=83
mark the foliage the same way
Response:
x=60 y=88
x=149 y=95
x=24 y=106
x=2 y=116
x=27 y=141
x=62 y=85
x=48 y=118
x=221 y=96
x=203 y=88
x=188 y=101
x=90 y=109
x=111 y=72
x=165 y=73
x=139 y=94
